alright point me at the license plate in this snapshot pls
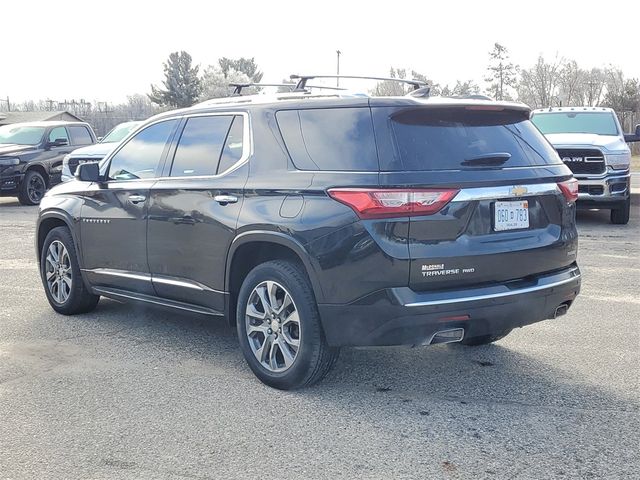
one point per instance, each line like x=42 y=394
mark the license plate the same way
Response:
x=511 y=215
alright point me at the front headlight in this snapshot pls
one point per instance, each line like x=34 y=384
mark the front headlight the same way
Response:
x=6 y=161
x=619 y=161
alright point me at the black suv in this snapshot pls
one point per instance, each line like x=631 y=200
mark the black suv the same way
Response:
x=31 y=156
x=319 y=221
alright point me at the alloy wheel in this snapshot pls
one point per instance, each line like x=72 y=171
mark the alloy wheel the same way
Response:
x=36 y=188
x=273 y=326
x=58 y=271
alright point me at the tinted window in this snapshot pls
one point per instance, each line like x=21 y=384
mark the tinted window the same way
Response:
x=58 y=133
x=232 y=151
x=432 y=139
x=80 y=136
x=140 y=156
x=329 y=139
x=200 y=146
x=599 y=123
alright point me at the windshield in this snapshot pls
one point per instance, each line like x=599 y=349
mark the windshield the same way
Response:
x=21 y=135
x=597 y=123
x=118 y=132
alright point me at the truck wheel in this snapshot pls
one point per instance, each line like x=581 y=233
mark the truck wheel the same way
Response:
x=484 y=339
x=620 y=216
x=60 y=272
x=32 y=188
x=279 y=327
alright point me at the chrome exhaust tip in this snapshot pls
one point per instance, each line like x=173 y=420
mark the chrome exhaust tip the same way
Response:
x=447 y=336
x=561 y=310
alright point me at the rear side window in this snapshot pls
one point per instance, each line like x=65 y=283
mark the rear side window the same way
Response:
x=232 y=151
x=329 y=139
x=80 y=135
x=200 y=146
x=455 y=139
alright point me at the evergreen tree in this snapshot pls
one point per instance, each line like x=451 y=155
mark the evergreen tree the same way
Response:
x=502 y=73
x=182 y=85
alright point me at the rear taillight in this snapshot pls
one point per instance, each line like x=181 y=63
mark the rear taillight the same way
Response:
x=377 y=203
x=569 y=189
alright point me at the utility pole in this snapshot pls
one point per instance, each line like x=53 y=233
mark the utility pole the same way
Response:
x=338 y=53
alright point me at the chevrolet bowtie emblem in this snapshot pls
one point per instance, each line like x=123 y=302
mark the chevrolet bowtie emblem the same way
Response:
x=518 y=191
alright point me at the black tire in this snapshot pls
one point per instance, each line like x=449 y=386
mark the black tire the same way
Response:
x=620 y=216
x=80 y=299
x=314 y=357
x=32 y=188
x=484 y=339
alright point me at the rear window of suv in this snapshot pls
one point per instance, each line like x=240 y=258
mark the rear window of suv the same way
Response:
x=330 y=138
x=456 y=139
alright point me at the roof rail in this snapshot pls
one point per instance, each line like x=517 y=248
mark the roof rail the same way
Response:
x=237 y=87
x=302 y=80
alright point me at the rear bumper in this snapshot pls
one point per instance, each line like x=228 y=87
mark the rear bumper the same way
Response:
x=401 y=316
x=606 y=191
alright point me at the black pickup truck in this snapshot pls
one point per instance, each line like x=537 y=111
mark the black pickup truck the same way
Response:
x=31 y=156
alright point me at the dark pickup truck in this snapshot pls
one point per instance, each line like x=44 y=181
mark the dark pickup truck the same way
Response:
x=31 y=156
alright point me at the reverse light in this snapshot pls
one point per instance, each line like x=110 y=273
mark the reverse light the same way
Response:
x=569 y=189
x=386 y=203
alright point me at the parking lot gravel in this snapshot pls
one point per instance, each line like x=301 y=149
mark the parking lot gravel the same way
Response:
x=131 y=392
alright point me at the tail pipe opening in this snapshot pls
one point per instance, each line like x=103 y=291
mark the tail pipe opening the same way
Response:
x=561 y=309
x=446 y=336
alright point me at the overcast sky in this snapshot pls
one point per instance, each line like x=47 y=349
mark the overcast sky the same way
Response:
x=69 y=49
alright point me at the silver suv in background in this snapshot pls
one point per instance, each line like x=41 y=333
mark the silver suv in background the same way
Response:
x=591 y=143
x=96 y=152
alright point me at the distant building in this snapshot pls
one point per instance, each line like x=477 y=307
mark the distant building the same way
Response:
x=7 y=118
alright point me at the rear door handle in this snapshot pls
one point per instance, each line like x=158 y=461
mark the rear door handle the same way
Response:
x=224 y=199
x=137 y=198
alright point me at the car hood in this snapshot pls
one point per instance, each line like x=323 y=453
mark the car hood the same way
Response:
x=12 y=148
x=96 y=150
x=605 y=142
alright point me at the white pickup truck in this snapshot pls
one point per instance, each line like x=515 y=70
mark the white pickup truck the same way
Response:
x=591 y=143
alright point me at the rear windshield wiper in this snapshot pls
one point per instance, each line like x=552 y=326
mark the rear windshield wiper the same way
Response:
x=487 y=160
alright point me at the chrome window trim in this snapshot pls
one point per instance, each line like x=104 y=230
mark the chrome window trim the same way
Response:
x=505 y=191
x=247 y=145
x=493 y=295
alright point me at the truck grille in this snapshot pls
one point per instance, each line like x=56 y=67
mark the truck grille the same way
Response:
x=583 y=161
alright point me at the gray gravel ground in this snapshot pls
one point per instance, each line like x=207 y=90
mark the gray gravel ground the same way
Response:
x=132 y=393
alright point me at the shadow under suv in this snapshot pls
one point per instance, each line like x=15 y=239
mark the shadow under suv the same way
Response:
x=319 y=221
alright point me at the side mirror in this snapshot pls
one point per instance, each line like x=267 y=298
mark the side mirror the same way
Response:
x=88 y=172
x=59 y=142
x=99 y=139
x=633 y=137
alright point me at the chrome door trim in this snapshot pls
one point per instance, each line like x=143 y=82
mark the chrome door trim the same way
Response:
x=119 y=273
x=183 y=282
x=506 y=191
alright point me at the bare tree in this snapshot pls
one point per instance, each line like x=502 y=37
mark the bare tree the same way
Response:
x=593 y=86
x=538 y=86
x=570 y=83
